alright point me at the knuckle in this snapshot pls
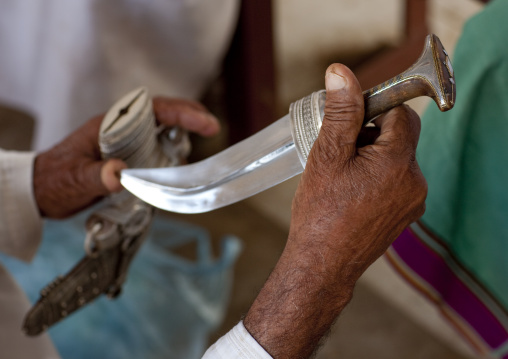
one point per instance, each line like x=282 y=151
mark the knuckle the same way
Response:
x=325 y=148
x=341 y=109
x=423 y=208
x=423 y=189
x=329 y=153
x=405 y=119
x=405 y=112
x=418 y=190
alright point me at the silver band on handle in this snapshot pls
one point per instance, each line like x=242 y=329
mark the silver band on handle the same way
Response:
x=306 y=118
x=129 y=132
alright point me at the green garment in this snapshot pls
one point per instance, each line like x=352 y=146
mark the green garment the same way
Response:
x=463 y=153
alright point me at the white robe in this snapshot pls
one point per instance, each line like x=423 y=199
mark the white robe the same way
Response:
x=65 y=61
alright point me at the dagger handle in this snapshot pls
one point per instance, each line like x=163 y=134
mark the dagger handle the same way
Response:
x=392 y=93
x=431 y=75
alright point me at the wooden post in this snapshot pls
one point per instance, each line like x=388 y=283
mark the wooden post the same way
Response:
x=250 y=72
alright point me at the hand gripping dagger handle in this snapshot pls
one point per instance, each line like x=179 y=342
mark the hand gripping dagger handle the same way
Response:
x=431 y=75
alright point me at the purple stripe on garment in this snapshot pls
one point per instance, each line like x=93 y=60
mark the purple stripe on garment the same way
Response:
x=433 y=269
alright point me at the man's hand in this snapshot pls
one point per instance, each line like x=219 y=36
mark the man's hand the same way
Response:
x=359 y=190
x=72 y=176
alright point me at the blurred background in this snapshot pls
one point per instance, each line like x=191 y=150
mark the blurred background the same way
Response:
x=279 y=53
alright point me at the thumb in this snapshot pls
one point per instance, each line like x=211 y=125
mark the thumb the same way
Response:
x=110 y=174
x=344 y=111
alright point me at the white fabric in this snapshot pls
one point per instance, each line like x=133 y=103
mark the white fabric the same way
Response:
x=237 y=343
x=20 y=222
x=65 y=61
x=20 y=233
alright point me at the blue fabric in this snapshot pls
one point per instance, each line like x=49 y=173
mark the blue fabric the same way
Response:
x=168 y=306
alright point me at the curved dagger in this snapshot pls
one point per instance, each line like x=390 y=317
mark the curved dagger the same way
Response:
x=268 y=157
x=280 y=151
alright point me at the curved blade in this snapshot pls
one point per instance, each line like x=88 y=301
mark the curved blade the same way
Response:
x=257 y=163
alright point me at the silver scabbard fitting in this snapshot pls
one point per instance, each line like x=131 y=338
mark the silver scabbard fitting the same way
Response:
x=306 y=119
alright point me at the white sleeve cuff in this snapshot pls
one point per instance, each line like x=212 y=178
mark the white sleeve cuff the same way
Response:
x=20 y=220
x=237 y=343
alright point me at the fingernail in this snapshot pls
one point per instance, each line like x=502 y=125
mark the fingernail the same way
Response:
x=334 y=81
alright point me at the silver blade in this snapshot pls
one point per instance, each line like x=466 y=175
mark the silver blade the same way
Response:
x=259 y=162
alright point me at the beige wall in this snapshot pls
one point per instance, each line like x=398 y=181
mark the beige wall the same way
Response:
x=309 y=35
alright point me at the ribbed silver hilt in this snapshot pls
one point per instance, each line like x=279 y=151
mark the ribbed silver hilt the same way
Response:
x=129 y=132
x=306 y=119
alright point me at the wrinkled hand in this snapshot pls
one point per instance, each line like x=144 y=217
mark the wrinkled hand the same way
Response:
x=353 y=201
x=361 y=187
x=72 y=176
